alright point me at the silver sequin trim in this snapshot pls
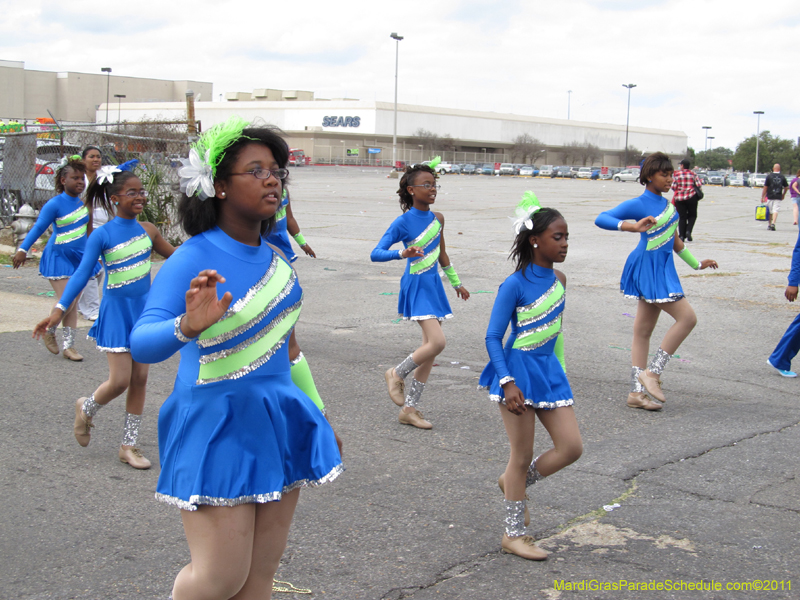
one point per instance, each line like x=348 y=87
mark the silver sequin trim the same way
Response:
x=72 y=214
x=433 y=265
x=434 y=224
x=64 y=240
x=58 y=278
x=244 y=300
x=658 y=362
x=533 y=474
x=543 y=327
x=128 y=268
x=297 y=360
x=194 y=501
x=208 y=358
x=661 y=245
x=544 y=405
x=131 y=431
x=654 y=233
x=619 y=225
x=123 y=245
x=426 y=317
x=69 y=337
x=90 y=407
x=505 y=380
x=61 y=307
x=515 y=517
x=414 y=394
x=549 y=311
x=672 y=298
x=405 y=367
x=636 y=385
x=540 y=300
x=178 y=332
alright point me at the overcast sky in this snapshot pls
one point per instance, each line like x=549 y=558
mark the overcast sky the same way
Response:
x=694 y=62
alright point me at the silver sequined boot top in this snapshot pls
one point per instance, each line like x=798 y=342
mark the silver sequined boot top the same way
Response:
x=533 y=474
x=405 y=367
x=52 y=330
x=90 y=407
x=515 y=517
x=636 y=385
x=131 y=431
x=659 y=361
x=69 y=337
x=414 y=393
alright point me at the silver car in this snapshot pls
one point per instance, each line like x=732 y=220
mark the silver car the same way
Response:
x=627 y=175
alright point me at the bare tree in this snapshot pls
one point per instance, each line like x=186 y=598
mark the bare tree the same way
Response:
x=527 y=148
x=427 y=139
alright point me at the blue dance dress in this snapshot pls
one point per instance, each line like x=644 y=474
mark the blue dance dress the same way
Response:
x=235 y=429
x=649 y=272
x=422 y=294
x=64 y=249
x=533 y=302
x=124 y=247
x=279 y=236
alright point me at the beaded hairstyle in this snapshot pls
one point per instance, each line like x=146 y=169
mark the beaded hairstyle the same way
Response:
x=409 y=177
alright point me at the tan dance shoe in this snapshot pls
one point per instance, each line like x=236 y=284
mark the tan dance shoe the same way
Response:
x=653 y=386
x=640 y=400
x=414 y=418
x=396 y=386
x=83 y=424
x=502 y=483
x=524 y=546
x=72 y=354
x=134 y=457
x=50 y=342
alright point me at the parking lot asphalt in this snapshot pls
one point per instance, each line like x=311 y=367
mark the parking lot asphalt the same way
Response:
x=706 y=490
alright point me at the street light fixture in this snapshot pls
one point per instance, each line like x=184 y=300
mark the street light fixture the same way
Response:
x=705 y=144
x=107 y=71
x=397 y=39
x=758 y=132
x=119 y=98
x=630 y=86
x=711 y=138
x=569 y=97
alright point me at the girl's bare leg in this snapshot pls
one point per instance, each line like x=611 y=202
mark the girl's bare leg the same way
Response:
x=71 y=315
x=134 y=403
x=520 y=430
x=562 y=426
x=433 y=342
x=685 y=320
x=120 y=368
x=643 y=325
x=273 y=521
x=221 y=545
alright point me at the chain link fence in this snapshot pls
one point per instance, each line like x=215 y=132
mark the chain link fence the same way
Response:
x=29 y=161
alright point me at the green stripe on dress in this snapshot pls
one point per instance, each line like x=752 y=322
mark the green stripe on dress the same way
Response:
x=662 y=239
x=552 y=299
x=123 y=275
x=535 y=337
x=250 y=353
x=75 y=215
x=71 y=235
x=664 y=216
x=425 y=263
x=136 y=247
x=430 y=232
x=254 y=307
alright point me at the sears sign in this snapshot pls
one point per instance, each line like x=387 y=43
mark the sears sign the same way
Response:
x=341 y=121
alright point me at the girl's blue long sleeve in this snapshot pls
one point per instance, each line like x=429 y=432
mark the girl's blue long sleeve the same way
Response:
x=502 y=314
x=78 y=281
x=382 y=252
x=609 y=219
x=46 y=218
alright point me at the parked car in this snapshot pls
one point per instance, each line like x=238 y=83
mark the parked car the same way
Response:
x=545 y=170
x=526 y=171
x=563 y=171
x=455 y=169
x=609 y=174
x=486 y=169
x=758 y=180
x=627 y=175
x=584 y=173
x=716 y=178
x=506 y=169
x=703 y=176
x=468 y=169
x=736 y=180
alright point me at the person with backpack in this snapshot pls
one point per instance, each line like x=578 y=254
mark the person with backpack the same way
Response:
x=775 y=186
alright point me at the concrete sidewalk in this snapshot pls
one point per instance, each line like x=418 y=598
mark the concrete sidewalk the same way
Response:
x=705 y=490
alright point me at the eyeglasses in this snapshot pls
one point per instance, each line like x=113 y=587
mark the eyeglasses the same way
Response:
x=260 y=173
x=134 y=194
x=428 y=186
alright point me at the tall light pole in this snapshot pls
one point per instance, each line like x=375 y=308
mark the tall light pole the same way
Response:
x=711 y=138
x=119 y=98
x=630 y=86
x=397 y=39
x=569 y=97
x=705 y=144
x=107 y=71
x=758 y=132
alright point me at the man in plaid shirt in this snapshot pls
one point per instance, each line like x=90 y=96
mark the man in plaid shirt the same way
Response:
x=684 y=199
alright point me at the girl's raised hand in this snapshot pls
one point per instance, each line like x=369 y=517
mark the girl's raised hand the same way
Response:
x=413 y=251
x=515 y=401
x=203 y=308
x=704 y=264
x=644 y=224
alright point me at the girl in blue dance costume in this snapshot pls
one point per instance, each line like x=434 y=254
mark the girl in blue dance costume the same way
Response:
x=422 y=296
x=64 y=250
x=650 y=277
x=237 y=438
x=124 y=245
x=527 y=377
